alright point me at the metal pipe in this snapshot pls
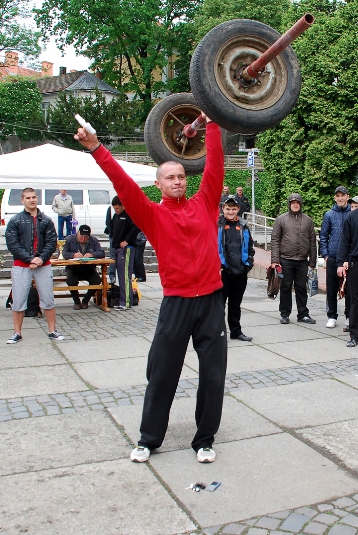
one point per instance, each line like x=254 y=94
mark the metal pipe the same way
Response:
x=254 y=70
x=190 y=130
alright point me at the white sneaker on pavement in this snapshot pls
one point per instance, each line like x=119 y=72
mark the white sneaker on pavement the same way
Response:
x=205 y=455
x=331 y=323
x=140 y=454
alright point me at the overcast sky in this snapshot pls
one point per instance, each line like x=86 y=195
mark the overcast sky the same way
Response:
x=69 y=60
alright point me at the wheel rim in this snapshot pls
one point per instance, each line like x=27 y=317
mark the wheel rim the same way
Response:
x=234 y=56
x=170 y=130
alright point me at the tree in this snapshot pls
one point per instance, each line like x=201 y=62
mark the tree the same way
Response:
x=113 y=120
x=14 y=34
x=315 y=149
x=129 y=40
x=20 y=105
x=214 y=12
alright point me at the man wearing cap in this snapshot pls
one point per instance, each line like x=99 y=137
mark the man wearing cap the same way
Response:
x=183 y=233
x=293 y=246
x=236 y=253
x=330 y=235
x=82 y=245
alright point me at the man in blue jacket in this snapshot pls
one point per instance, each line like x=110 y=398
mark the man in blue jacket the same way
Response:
x=236 y=253
x=330 y=235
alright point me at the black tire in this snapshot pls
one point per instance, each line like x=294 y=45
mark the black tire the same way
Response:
x=215 y=73
x=162 y=127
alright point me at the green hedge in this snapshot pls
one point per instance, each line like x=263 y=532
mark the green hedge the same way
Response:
x=233 y=179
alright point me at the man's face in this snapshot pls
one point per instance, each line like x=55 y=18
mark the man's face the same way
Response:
x=239 y=191
x=230 y=211
x=226 y=190
x=118 y=208
x=172 y=181
x=29 y=200
x=63 y=191
x=295 y=206
x=341 y=199
x=82 y=239
x=354 y=205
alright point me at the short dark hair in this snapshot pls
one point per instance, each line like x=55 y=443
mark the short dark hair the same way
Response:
x=27 y=190
x=116 y=201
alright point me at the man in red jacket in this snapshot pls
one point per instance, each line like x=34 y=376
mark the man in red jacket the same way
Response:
x=184 y=235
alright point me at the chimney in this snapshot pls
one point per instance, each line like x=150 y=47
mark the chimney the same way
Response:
x=62 y=70
x=47 y=68
x=12 y=61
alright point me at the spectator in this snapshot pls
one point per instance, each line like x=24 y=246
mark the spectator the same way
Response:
x=107 y=230
x=293 y=242
x=82 y=245
x=124 y=234
x=224 y=196
x=63 y=205
x=243 y=201
x=237 y=258
x=348 y=250
x=31 y=239
x=354 y=205
x=330 y=235
x=184 y=235
x=139 y=268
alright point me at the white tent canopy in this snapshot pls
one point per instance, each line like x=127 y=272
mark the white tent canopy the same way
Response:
x=50 y=166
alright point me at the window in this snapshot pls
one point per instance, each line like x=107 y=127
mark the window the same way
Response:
x=15 y=196
x=76 y=194
x=98 y=196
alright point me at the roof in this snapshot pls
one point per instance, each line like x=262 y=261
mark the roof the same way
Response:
x=21 y=71
x=73 y=81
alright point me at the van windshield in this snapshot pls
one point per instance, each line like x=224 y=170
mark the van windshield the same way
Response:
x=15 y=196
x=76 y=194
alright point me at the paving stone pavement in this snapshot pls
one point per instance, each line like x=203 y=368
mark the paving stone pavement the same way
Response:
x=297 y=478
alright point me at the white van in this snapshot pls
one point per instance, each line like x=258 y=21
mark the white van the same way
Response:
x=90 y=206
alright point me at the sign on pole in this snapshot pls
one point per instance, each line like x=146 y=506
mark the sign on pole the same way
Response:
x=251 y=159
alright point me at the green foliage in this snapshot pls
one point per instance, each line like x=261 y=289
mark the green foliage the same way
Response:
x=14 y=34
x=129 y=147
x=214 y=12
x=118 y=118
x=128 y=40
x=20 y=105
x=233 y=179
x=315 y=149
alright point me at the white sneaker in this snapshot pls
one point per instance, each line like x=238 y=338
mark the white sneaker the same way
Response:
x=140 y=454
x=331 y=323
x=206 y=455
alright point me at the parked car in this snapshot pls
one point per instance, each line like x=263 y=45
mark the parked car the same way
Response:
x=90 y=205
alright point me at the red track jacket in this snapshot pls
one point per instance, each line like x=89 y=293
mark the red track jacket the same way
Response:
x=183 y=232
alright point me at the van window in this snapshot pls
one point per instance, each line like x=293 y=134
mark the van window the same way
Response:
x=15 y=196
x=98 y=196
x=76 y=194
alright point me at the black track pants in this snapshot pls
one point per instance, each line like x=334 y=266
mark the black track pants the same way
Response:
x=202 y=318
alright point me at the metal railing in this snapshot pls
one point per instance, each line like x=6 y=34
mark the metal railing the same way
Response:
x=231 y=161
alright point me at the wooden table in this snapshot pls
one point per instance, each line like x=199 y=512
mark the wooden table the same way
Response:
x=102 y=303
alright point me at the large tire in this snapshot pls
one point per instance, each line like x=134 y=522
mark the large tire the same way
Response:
x=215 y=77
x=162 y=127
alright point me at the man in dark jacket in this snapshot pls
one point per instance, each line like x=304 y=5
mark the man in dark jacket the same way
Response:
x=348 y=249
x=112 y=267
x=82 y=245
x=236 y=253
x=31 y=239
x=330 y=235
x=242 y=200
x=293 y=241
x=124 y=235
